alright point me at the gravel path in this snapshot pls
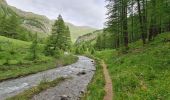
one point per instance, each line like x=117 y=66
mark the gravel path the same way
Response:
x=81 y=72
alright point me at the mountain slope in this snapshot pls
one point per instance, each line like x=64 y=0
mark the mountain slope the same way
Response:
x=77 y=31
x=39 y=23
x=144 y=72
x=34 y=22
x=90 y=37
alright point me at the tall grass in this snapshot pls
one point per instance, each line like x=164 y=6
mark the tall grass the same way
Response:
x=143 y=73
x=95 y=90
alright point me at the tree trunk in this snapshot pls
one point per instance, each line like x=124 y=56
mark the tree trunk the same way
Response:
x=141 y=20
x=125 y=24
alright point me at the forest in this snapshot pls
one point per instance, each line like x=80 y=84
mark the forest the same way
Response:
x=131 y=20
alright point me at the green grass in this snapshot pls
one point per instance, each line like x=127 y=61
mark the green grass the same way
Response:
x=143 y=73
x=15 y=62
x=15 y=71
x=16 y=43
x=44 y=85
x=14 y=51
x=95 y=90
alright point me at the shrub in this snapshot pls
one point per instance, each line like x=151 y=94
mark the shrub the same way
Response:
x=58 y=53
x=33 y=49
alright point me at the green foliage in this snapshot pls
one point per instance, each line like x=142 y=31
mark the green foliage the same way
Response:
x=14 y=60
x=84 y=48
x=143 y=73
x=146 y=19
x=92 y=51
x=34 y=48
x=60 y=38
x=95 y=90
x=68 y=42
x=9 y=25
x=17 y=50
x=60 y=34
x=58 y=53
x=105 y=40
x=48 y=48
x=99 y=42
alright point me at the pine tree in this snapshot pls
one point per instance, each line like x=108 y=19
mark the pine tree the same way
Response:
x=125 y=22
x=49 y=47
x=141 y=6
x=60 y=38
x=117 y=21
x=68 y=39
x=131 y=20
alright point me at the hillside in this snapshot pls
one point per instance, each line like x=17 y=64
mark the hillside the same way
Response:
x=90 y=37
x=16 y=59
x=13 y=51
x=33 y=22
x=142 y=73
x=77 y=31
x=39 y=23
x=30 y=21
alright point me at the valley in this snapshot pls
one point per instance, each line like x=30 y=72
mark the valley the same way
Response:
x=125 y=57
x=41 y=24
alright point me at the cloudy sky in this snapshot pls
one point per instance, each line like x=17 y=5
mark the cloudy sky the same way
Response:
x=79 y=12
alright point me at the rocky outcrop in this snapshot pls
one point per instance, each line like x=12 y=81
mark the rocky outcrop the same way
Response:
x=88 y=37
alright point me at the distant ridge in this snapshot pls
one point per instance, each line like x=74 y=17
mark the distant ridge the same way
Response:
x=40 y=23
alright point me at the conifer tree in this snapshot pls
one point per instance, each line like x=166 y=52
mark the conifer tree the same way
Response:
x=68 y=39
x=131 y=20
x=60 y=38
x=117 y=20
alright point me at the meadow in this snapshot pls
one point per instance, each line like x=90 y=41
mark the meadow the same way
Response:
x=15 y=59
x=143 y=73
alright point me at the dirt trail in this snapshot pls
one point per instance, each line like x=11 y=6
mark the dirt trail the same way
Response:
x=108 y=85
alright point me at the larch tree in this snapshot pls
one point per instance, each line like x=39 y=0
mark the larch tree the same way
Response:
x=60 y=38
x=118 y=20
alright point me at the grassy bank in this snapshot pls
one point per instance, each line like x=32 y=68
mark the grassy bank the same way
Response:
x=95 y=90
x=15 y=62
x=17 y=52
x=143 y=73
x=15 y=71
x=28 y=94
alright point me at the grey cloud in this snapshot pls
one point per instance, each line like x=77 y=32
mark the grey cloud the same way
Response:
x=79 y=12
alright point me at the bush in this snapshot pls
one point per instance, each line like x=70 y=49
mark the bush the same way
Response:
x=58 y=53
x=33 y=49
x=92 y=51
x=48 y=50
